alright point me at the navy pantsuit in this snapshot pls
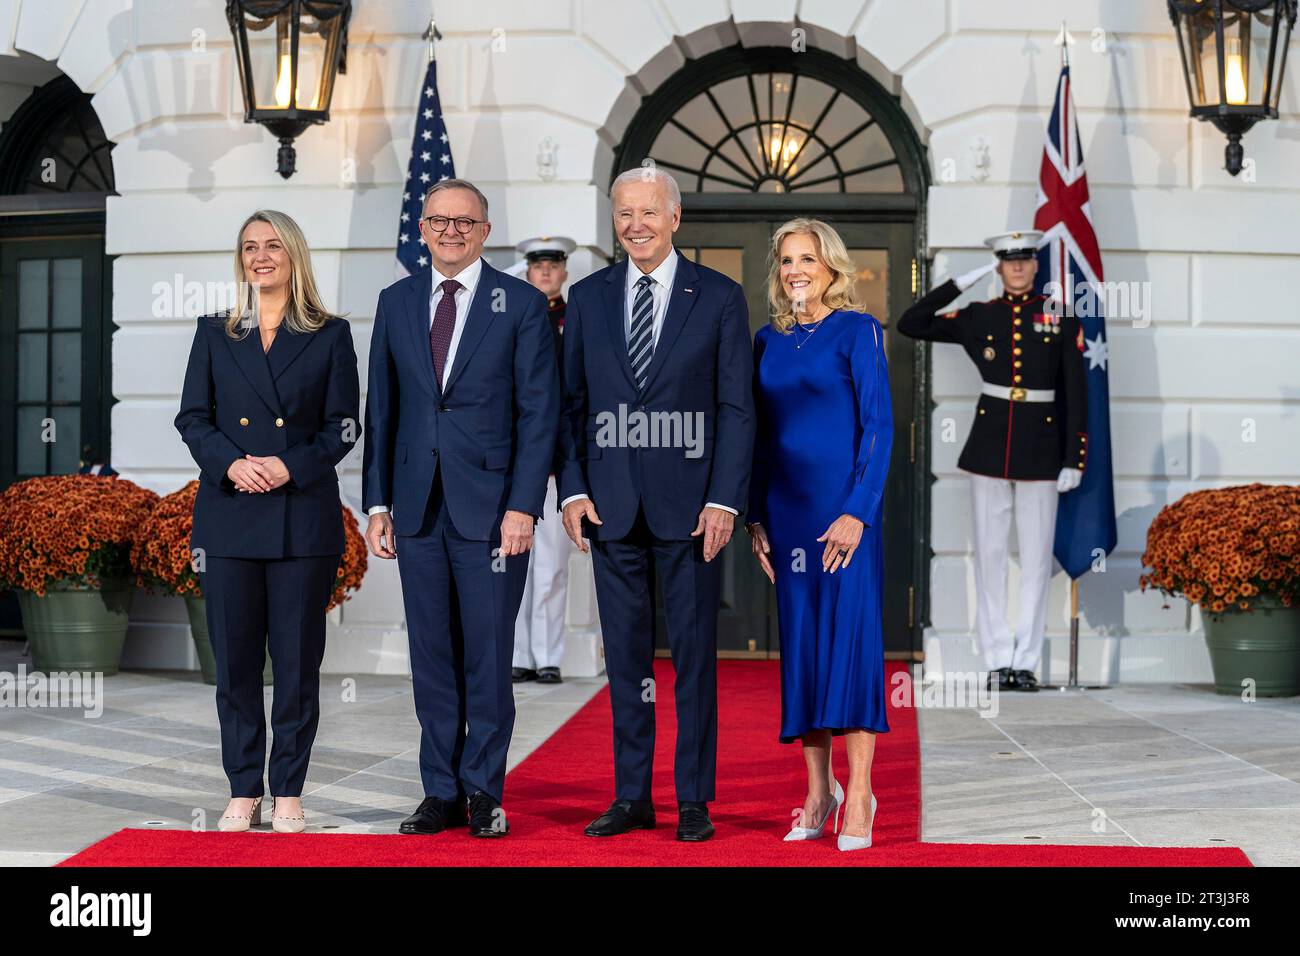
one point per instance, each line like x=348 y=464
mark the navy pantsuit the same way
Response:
x=649 y=498
x=450 y=461
x=269 y=559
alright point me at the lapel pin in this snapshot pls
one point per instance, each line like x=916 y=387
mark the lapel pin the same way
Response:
x=688 y=290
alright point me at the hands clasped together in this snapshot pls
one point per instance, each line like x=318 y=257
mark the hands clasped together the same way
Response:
x=255 y=474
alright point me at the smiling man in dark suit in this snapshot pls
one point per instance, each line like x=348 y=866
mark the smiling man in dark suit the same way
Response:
x=461 y=413
x=656 y=437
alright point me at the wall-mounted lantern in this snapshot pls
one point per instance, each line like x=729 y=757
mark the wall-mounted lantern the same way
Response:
x=289 y=52
x=1234 y=61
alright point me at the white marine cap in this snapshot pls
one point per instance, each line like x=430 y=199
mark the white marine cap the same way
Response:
x=1015 y=245
x=546 y=247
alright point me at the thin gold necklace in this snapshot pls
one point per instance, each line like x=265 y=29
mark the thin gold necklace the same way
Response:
x=815 y=326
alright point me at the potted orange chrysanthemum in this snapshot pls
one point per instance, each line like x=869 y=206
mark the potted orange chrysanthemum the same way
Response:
x=163 y=563
x=65 y=544
x=1235 y=552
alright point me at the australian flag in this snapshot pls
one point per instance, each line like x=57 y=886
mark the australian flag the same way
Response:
x=430 y=162
x=1069 y=259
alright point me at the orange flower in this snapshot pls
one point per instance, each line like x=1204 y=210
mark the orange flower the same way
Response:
x=77 y=528
x=1228 y=545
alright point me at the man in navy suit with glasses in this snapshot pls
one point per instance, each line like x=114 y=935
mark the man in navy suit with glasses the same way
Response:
x=462 y=407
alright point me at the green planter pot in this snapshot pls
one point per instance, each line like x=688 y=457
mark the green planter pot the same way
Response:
x=197 y=609
x=77 y=628
x=1262 y=645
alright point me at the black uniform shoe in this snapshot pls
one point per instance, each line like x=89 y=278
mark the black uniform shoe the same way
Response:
x=1026 y=681
x=1006 y=679
x=622 y=816
x=433 y=815
x=486 y=818
x=693 y=823
x=521 y=674
x=548 y=675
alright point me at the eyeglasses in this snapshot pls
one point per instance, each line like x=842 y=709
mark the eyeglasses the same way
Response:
x=463 y=223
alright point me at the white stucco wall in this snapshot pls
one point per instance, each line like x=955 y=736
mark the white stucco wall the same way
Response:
x=1220 y=253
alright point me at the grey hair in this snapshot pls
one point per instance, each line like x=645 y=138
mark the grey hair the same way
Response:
x=644 y=174
x=457 y=184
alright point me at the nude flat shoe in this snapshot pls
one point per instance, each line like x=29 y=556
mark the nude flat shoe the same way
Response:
x=287 y=824
x=238 y=824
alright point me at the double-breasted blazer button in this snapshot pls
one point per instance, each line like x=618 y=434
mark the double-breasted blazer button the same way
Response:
x=243 y=421
x=279 y=423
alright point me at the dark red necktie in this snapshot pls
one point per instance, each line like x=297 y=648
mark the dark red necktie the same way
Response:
x=444 y=322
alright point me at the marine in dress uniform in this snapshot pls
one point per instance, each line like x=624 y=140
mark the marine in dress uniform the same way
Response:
x=539 y=629
x=1027 y=445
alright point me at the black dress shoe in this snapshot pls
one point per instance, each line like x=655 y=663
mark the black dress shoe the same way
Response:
x=521 y=674
x=1006 y=679
x=433 y=815
x=693 y=824
x=548 y=675
x=622 y=816
x=1026 y=681
x=486 y=818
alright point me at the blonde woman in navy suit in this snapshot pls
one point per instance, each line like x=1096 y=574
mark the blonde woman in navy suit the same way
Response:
x=269 y=407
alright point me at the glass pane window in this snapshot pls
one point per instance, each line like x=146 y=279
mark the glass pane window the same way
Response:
x=776 y=132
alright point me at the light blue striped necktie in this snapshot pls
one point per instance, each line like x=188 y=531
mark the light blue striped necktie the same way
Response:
x=640 y=341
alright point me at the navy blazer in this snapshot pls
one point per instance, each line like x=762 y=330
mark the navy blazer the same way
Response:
x=492 y=431
x=700 y=376
x=299 y=401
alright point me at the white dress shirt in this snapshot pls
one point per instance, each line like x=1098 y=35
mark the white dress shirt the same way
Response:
x=661 y=290
x=468 y=279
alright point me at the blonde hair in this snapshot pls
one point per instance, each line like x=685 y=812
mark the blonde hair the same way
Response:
x=841 y=293
x=304 y=311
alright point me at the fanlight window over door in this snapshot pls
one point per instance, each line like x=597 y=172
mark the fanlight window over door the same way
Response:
x=777 y=132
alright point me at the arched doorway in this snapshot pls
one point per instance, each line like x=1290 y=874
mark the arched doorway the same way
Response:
x=55 y=286
x=756 y=137
x=55 y=328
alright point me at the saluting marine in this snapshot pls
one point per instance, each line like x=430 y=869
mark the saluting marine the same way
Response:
x=1027 y=441
x=539 y=629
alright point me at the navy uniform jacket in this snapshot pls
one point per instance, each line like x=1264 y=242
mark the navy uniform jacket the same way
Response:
x=491 y=432
x=1013 y=342
x=301 y=402
x=702 y=369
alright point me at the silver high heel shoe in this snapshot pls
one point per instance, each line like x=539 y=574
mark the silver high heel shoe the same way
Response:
x=846 y=842
x=237 y=824
x=813 y=833
x=287 y=824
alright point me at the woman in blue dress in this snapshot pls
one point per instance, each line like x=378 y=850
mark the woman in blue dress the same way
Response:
x=825 y=430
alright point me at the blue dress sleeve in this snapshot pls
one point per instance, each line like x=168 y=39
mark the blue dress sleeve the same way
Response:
x=760 y=473
x=870 y=374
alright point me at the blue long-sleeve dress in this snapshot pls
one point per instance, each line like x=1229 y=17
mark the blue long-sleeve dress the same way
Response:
x=825 y=431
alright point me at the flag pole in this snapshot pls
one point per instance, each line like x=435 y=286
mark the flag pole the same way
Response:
x=1064 y=40
x=432 y=34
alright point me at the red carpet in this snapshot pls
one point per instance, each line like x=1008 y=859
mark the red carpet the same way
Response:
x=567 y=781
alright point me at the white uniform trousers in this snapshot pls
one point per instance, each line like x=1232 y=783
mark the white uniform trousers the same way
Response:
x=1035 y=508
x=539 y=629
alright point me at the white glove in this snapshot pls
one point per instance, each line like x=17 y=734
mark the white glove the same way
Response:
x=1068 y=479
x=966 y=280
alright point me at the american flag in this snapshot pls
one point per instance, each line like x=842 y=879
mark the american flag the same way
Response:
x=430 y=162
x=1070 y=259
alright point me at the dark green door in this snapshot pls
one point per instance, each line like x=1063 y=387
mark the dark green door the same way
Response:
x=54 y=354
x=883 y=255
